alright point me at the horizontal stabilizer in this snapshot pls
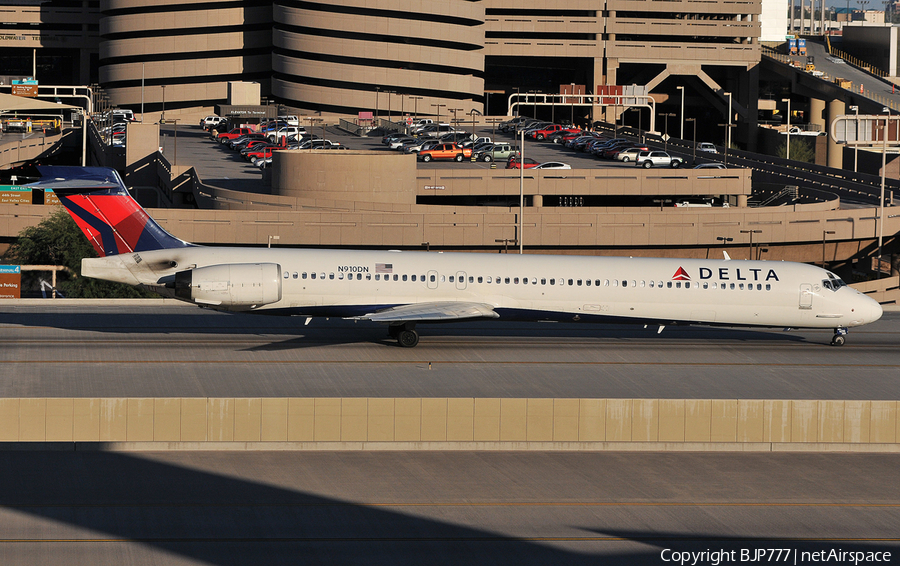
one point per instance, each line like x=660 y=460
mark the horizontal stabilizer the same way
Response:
x=423 y=312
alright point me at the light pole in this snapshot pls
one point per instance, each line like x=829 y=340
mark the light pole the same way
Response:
x=694 y=158
x=473 y=112
x=439 y=106
x=751 y=232
x=389 y=93
x=163 y=117
x=666 y=129
x=728 y=131
x=856 y=145
x=681 y=135
x=824 y=234
x=416 y=100
x=788 y=150
x=521 y=190
x=887 y=118
x=377 y=90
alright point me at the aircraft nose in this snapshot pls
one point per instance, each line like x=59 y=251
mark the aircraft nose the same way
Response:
x=870 y=310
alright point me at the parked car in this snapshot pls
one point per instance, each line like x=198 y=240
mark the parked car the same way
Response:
x=553 y=165
x=235 y=133
x=629 y=154
x=511 y=124
x=707 y=147
x=649 y=159
x=496 y=151
x=710 y=165
x=445 y=151
x=516 y=162
x=211 y=120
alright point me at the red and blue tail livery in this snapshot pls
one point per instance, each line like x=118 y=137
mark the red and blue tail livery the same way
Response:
x=108 y=216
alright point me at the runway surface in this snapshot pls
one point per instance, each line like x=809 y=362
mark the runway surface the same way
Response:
x=436 y=508
x=154 y=350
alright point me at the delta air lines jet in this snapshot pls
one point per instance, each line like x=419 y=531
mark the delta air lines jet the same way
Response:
x=403 y=289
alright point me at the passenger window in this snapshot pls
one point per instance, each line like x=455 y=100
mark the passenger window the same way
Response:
x=587 y=282
x=472 y=279
x=303 y=276
x=524 y=281
x=678 y=284
x=606 y=282
x=652 y=284
x=296 y=275
x=340 y=275
x=714 y=285
x=578 y=282
x=451 y=279
x=759 y=286
x=489 y=279
x=571 y=282
x=413 y=277
x=597 y=282
x=625 y=283
x=768 y=286
x=659 y=284
x=443 y=278
x=534 y=280
x=377 y=277
x=543 y=281
x=668 y=284
x=506 y=280
x=705 y=285
x=396 y=277
x=732 y=286
x=286 y=275
x=331 y=275
x=642 y=283
x=368 y=276
x=404 y=277
x=633 y=283
x=480 y=279
x=312 y=275
x=515 y=280
x=553 y=281
x=615 y=282
x=741 y=286
x=432 y=278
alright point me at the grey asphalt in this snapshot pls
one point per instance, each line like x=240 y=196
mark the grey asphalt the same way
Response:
x=274 y=508
x=174 y=350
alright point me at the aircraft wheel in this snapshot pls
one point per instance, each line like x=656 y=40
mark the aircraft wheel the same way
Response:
x=408 y=338
x=838 y=340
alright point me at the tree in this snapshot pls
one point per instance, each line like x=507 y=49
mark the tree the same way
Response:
x=57 y=240
x=800 y=150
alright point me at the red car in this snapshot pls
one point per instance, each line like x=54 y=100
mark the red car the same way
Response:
x=543 y=133
x=235 y=133
x=514 y=161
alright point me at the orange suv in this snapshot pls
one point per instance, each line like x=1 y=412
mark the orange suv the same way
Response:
x=445 y=151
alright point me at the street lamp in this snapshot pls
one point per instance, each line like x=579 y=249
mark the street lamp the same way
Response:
x=666 y=129
x=473 y=112
x=521 y=191
x=728 y=131
x=788 y=151
x=640 y=126
x=377 y=90
x=824 y=233
x=272 y=238
x=439 y=106
x=694 y=120
x=856 y=138
x=681 y=88
x=416 y=100
x=887 y=118
x=163 y=118
x=751 y=232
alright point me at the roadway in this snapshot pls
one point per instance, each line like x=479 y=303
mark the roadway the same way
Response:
x=57 y=349
x=512 y=508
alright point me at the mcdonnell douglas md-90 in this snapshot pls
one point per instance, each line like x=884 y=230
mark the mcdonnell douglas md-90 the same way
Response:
x=403 y=289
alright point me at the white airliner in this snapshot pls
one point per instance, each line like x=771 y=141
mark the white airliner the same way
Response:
x=402 y=288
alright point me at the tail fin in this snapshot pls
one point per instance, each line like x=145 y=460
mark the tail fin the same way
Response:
x=99 y=203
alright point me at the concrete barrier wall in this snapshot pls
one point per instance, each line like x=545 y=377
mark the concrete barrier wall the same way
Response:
x=441 y=423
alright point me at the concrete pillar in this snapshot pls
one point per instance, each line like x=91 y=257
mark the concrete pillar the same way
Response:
x=538 y=201
x=817 y=112
x=742 y=201
x=835 y=150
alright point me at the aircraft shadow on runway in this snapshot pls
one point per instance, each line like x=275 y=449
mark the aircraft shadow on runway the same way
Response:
x=338 y=331
x=124 y=499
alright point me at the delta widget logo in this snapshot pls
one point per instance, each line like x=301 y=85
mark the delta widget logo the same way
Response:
x=681 y=275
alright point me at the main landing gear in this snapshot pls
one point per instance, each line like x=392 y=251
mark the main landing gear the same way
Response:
x=405 y=334
x=839 y=336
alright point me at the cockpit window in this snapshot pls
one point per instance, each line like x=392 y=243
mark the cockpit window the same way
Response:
x=834 y=283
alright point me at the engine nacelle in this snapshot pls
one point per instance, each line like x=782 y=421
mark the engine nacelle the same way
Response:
x=231 y=285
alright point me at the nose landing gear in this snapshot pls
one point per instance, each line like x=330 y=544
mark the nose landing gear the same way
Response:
x=839 y=336
x=405 y=334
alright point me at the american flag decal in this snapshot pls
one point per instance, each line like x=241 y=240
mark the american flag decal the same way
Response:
x=384 y=268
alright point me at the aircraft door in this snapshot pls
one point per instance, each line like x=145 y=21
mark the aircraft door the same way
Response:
x=806 y=296
x=460 y=280
x=432 y=279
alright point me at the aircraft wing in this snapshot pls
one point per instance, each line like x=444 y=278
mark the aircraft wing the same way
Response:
x=423 y=312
